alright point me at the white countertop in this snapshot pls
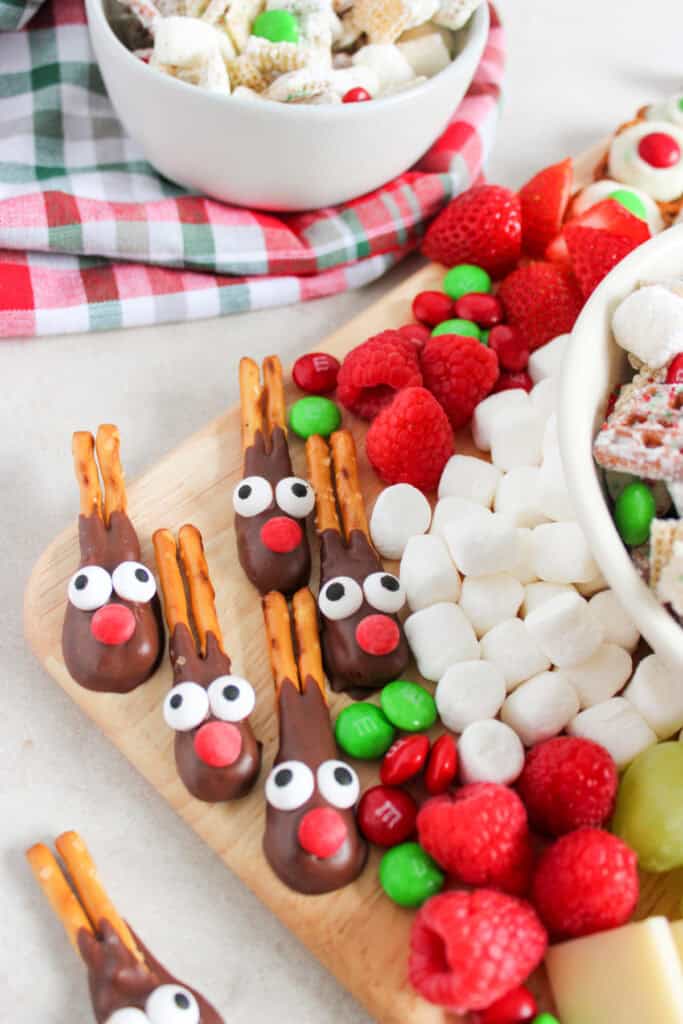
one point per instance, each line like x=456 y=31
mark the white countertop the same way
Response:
x=575 y=70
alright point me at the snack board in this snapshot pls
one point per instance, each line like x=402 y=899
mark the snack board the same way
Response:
x=360 y=935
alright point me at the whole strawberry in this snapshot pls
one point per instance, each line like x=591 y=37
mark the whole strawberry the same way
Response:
x=568 y=783
x=469 y=949
x=459 y=372
x=411 y=440
x=542 y=300
x=586 y=882
x=374 y=371
x=480 y=836
x=482 y=226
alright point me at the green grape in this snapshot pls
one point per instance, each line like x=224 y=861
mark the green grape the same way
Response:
x=649 y=811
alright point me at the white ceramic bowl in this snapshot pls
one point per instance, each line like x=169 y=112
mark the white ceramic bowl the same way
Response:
x=593 y=365
x=277 y=156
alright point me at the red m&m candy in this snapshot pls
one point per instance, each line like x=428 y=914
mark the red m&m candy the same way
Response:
x=485 y=310
x=674 y=375
x=386 y=816
x=442 y=765
x=508 y=344
x=316 y=373
x=432 y=308
x=516 y=1007
x=507 y=381
x=404 y=759
x=658 y=149
x=357 y=95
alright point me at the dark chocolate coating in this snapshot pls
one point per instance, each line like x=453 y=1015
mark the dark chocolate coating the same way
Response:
x=118 y=981
x=269 y=570
x=347 y=666
x=306 y=735
x=103 y=667
x=206 y=782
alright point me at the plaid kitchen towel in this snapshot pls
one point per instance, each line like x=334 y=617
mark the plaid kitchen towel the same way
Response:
x=91 y=237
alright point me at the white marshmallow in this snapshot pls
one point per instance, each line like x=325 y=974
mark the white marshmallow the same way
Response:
x=470 y=478
x=551 y=494
x=488 y=411
x=602 y=675
x=523 y=570
x=535 y=594
x=551 y=438
x=511 y=647
x=616 y=624
x=649 y=324
x=562 y=555
x=184 y=42
x=544 y=397
x=565 y=630
x=427 y=573
x=490 y=751
x=516 y=496
x=547 y=360
x=616 y=725
x=388 y=62
x=400 y=512
x=591 y=587
x=454 y=510
x=540 y=708
x=427 y=54
x=657 y=694
x=488 y=600
x=440 y=636
x=517 y=438
x=469 y=692
x=483 y=545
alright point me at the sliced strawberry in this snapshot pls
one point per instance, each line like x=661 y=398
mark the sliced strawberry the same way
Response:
x=542 y=300
x=610 y=216
x=544 y=202
x=481 y=226
x=593 y=253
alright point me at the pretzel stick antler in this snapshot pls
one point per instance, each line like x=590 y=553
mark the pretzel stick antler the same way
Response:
x=83 y=448
x=349 y=493
x=108 y=453
x=279 y=633
x=60 y=896
x=276 y=415
x=175 y=602
x=308 y=639
x=320 y=474
x=202 y=594
x=250 y=402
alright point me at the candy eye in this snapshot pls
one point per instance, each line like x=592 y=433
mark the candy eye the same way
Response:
x=186 y=706
x=338 y=783
x=172 y=1004
x=289 y=785
x=90 y=588
x=128 y=1015
x=252 y=496
x=231 y=698
x=134 y=582
x=384 y=592
x=340 y=598
x=295 y=496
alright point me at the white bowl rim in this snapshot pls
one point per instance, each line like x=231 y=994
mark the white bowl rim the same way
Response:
x=477 y=29
x=656 y=624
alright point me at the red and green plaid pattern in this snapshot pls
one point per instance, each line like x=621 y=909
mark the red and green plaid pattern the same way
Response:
x=91 y=237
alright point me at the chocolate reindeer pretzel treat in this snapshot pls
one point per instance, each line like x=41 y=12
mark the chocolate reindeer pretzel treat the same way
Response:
x=311 y=840
x=217 y=755
x=364 y=646
x=112 y=633
x=271 y=504
x=127 y=984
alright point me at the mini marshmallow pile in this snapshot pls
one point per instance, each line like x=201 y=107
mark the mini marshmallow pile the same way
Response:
x=510 y=614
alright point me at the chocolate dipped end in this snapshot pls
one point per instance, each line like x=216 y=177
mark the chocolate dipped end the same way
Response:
x=210 y=783
x=347 y=666
x=271 y=570
x=117 y=980
x=111 y=668
x=306 y=735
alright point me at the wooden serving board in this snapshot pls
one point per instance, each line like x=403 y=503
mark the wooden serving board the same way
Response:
x=360 y=936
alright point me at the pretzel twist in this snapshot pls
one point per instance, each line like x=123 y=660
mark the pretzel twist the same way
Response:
x=202 y=594
x=59 y=894
x=85 y=467
x=308 y=639
x=319 y=463
x=250 y=402
x=172 y=589
x=347 y=484
x=280 y=646
x=108 y=444
x=276 y=415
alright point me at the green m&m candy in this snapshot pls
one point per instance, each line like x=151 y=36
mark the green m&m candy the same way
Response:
x=634 y=511
x=364 y=731
x=277 y=26
x=465 y=279
x=546 y=1018
x=408 y=875
x=458 y=326
x=314 y=415
x=408 y=706
x=484 y=339
x=630 y=201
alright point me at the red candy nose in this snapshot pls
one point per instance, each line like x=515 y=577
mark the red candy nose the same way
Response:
x=322 y=832
x=281 y=534
x=377 y=634
x=113 y=624
x=218 y=744
x=659 y=150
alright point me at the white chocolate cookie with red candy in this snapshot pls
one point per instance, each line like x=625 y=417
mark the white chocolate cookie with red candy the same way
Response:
x=649 y=155
x=667 y=110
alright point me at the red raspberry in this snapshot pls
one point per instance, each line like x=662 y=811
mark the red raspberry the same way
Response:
x=586 y=882
x=373 y=372
x=432 y=308
x=508 y=381
x=459 y=372
x=510 y=347
x=568 y=783
x=480 y=836
x=468 y=949
x=542 y=300
x=482 y=226
x=411 y=440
